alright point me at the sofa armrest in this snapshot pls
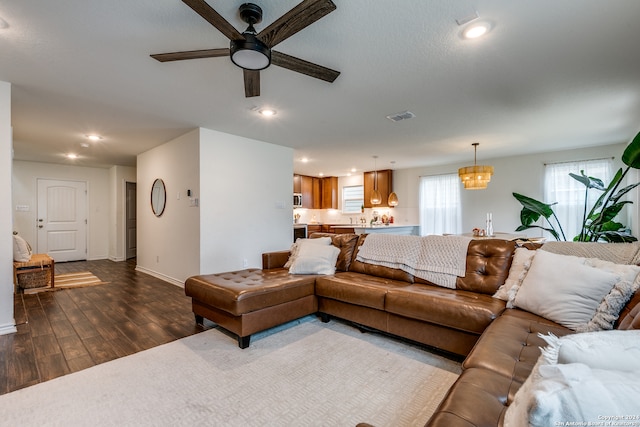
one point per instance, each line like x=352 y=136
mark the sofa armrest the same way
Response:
x=274 y=259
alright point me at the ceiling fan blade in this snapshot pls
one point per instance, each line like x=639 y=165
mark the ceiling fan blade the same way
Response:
x=305 y=67
x=203 y=9
x=251 y=83
x=301 y=16
x=190 y=54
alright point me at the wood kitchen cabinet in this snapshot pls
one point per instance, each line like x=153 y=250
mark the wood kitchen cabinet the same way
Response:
x=385 y=187
x=330 y=192
x=297 y=183
x=311 y=189
x=317 y=193
x=313 y=229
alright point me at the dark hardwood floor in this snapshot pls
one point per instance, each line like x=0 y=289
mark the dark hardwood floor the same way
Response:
x=64 y=331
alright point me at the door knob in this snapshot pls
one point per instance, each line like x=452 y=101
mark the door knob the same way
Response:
x=40 y=226
x=40 y=220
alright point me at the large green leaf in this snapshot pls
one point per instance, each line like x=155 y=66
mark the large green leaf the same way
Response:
x=631 y=155
x=553 y=232
x=609 y=213
x=535 y=206
x=528 y=217
x=617 y=237
x=611 y=226
x=588 y=181
x=623 y=191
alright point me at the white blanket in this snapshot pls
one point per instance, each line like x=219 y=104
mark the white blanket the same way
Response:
x=438 y=259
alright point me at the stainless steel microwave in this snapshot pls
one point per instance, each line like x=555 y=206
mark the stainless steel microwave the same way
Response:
x=297 y=200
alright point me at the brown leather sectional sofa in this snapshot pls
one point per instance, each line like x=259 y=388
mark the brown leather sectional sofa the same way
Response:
x=501 y=345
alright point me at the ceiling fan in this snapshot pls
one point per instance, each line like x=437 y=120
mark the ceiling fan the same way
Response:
x=251 y=51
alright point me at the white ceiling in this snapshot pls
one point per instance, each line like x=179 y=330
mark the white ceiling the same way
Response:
x=550 y=75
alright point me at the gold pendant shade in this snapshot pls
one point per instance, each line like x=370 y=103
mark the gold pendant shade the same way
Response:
x=475 y=177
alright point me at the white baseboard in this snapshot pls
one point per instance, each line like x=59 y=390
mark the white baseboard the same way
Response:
x=116 y=258
x=97 y=258
x=9 y=328
x=160 y=276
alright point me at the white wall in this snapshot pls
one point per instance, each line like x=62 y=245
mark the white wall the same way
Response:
x=245 y=201
x=118 y=177
x=7 y=322
x=168 y=246
x=25 y=176
x=520 y=174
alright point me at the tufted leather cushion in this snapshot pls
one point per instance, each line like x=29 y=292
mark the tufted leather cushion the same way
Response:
x=476 y=399
x=510 y=346
x=346 y=243
x=488 y=263
x=244 y=291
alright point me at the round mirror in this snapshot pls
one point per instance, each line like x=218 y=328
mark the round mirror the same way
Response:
x=158 y=197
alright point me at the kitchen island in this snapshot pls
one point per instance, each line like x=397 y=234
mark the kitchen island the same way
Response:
x=387 y=229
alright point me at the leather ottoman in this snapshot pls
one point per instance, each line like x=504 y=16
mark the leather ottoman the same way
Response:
x=249 y=301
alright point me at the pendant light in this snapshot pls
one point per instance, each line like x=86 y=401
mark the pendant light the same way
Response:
x=376 y=198
x=475 y=177
x=393 y=200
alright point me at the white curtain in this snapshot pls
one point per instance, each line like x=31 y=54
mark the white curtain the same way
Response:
x=569 y=193
x=440 y=211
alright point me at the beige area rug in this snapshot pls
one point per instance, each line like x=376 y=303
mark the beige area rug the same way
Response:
x=76 y=280
x=305 y=373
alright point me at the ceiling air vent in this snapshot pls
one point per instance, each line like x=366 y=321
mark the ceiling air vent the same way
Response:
x=401 y=116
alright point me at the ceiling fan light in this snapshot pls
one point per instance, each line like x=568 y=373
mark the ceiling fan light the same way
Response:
x=250 y=53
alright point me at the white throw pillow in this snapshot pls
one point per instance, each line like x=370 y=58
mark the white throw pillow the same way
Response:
x=295 y=248
x=519 y=267
x=619 y=349
x=579 y=393
x=315 y=259
x=21 y=249
x=594 y=382
x=563 y=289
x=609 y=309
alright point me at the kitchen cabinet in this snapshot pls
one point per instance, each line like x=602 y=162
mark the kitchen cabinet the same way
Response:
x=330 y=192
x=313 y=229
x=311 y=189
x=342 y=230
x=317 y=193
x=297 y=183
x=385 y=187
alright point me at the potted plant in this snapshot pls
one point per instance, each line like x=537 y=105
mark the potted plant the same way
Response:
x=598 y=222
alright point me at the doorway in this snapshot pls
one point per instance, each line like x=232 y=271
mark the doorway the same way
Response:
x=130 y=221
x=62 y=219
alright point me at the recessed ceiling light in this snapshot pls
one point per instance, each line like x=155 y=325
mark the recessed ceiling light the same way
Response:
x=72 y=156
x=353 y=169
x=304 y=160
x=476 y=30
x=321 y=174
x=93 y=137
x=267 y=112
x=84 y=145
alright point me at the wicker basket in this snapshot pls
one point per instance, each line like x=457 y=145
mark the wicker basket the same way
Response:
x=35 y=278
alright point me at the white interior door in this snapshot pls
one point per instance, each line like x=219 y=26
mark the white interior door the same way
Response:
x=62 y=219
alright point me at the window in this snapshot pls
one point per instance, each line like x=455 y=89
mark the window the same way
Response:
x=569 y=194
x=352 y=198
x=440 y=211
